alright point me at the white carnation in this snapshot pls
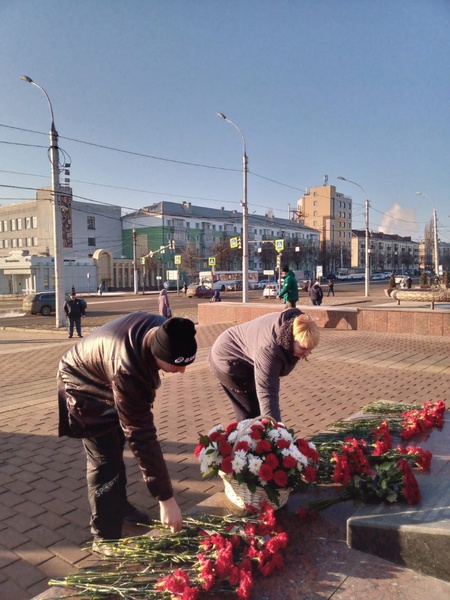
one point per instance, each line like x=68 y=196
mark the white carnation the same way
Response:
x=239 y=461
x=254 y=464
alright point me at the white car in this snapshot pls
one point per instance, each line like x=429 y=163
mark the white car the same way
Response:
x=271 y=290
x=378 y=276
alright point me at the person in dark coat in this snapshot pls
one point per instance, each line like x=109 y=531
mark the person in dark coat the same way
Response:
x=330 y=287
x=249 y=359
x=74 y=310
x=106 y=388
x=316 y=294
x=216 y=297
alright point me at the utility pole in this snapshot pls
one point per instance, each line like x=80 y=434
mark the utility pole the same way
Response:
x=135 y=270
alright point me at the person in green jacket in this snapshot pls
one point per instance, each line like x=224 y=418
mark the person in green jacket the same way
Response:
x=289 y=291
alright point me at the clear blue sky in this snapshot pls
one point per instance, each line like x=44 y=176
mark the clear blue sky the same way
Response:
x=357 y=88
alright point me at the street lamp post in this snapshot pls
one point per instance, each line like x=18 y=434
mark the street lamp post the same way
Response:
x=57 y=218
x=244 y=214
x=367 y=253
x=436 y=245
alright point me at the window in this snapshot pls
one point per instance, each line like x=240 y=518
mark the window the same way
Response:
x=14 y=243
x=35 y=241
x=34 y=219
x=91 y=241
x=315 y=213
x=13 y=225
x=315 y=203
x=91 y=222
x=19 y=224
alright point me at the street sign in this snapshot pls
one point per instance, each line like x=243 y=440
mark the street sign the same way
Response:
x=269 y=272
x=279 y=245
x=177 y=259
x=319 y=271
x=142 y=260
x=172 y=275
x=212 y=261
x=233 y=242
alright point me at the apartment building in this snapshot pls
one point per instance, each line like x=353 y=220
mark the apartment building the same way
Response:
x=329 y=212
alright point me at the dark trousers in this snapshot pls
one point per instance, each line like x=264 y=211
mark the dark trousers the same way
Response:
x=290 y=303
x=330 y=291
x=106 y=480
x=241 y=392
x=77 y=322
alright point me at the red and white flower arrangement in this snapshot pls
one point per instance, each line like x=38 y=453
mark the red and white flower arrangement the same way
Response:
x=258 y=454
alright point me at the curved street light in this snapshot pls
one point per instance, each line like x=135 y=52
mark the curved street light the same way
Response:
x=57 y=218
x=367 y=254
x=436 y=246
x=244 y=213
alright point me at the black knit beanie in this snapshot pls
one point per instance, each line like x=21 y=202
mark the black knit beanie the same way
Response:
x=174 y=342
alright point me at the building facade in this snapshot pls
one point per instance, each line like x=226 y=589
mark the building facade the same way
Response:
x=387 y=252
x=329 y=212
x=195 y=234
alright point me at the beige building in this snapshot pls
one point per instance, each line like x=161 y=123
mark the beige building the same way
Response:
x=328 y=211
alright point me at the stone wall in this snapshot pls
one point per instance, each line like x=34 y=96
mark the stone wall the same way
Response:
x=381 y=320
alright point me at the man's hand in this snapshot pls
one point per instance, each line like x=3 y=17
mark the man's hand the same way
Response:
x=170 y=514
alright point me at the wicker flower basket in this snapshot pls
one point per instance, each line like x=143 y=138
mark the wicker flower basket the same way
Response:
x=239 y=494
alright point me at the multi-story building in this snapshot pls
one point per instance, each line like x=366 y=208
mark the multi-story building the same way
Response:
x=27 y=243
x=200 y=232
x=330 y=213
x=387 y=252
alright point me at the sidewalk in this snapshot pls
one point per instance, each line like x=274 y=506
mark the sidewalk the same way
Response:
x=44 y=517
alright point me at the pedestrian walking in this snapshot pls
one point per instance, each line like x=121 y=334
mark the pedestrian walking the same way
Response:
x=289 y=290
x=330 y=288
x=316 y=294
x=164 y=304
x=100 y=289
x=74 y=310
x=408 y=282
x=106 y=388
x=185 y=287
x=249 y=359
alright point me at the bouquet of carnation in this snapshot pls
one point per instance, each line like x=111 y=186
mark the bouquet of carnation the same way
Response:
x=259 y=458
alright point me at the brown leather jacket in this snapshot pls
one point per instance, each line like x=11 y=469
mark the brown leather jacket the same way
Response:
x=109 y=379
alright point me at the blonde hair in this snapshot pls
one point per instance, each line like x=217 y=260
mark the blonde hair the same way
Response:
x=306 y=331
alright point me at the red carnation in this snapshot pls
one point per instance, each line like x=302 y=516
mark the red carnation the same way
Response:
x=310 y=474
x=271 y=460
x=227 y=465
x=280 y=477
x=289 y=462
x=263 y=446
x=225 y=448
x=266 y=472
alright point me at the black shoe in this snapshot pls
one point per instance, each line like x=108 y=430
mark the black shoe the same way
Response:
x=135 y=516
x=70 y=337
x=80 y=336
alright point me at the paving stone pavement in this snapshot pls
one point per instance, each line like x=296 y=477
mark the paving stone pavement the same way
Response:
x=44 y=516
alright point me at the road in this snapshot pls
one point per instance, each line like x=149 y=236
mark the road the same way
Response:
x=108 y=306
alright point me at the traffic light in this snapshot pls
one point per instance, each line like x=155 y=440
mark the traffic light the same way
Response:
x=278 y=260
x=239 y=243
x=171 y=245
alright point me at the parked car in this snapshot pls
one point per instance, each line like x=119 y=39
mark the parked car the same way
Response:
x=44 y=303
x=271 y=290
x=234 y=286
x=262 y=283
x=199 y=291
x=378 y=276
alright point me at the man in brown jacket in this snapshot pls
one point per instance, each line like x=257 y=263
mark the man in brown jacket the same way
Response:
x=106 y=388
